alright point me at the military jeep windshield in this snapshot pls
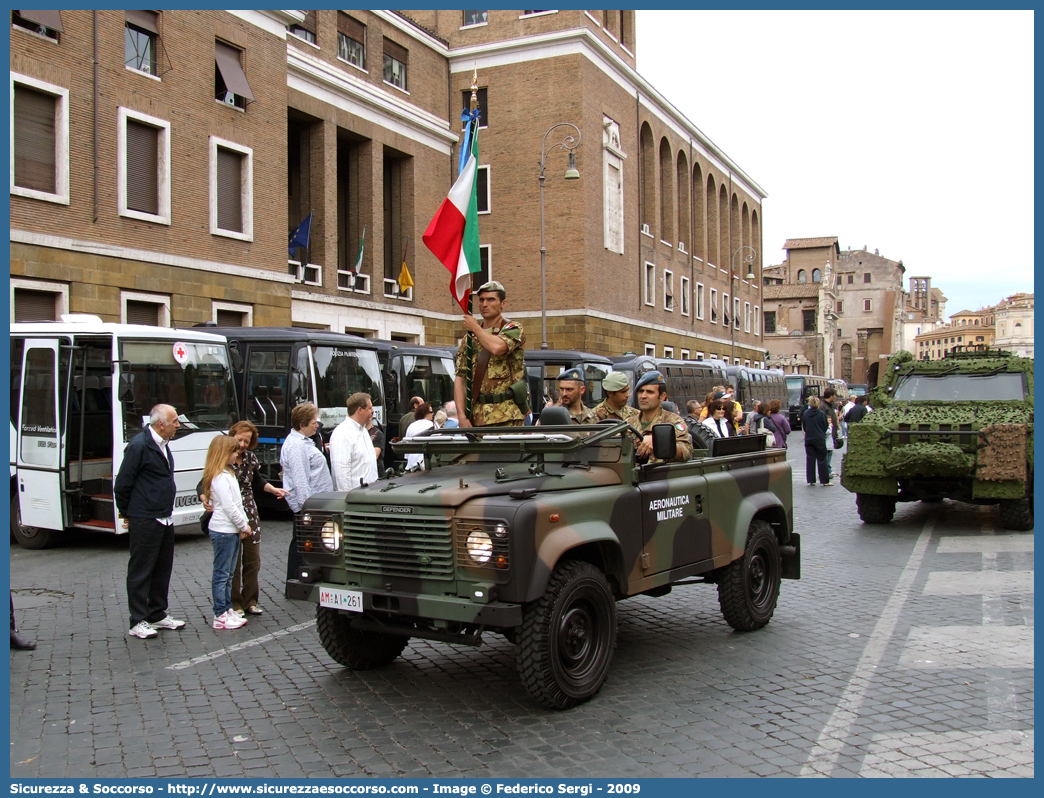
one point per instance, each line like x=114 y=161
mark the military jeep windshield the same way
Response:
x=964 y=387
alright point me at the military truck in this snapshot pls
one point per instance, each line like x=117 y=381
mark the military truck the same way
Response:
x=956 y=428
x=535 y=533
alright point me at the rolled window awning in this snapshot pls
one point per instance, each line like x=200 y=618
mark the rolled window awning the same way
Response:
x=49 y=19
x=231 y=70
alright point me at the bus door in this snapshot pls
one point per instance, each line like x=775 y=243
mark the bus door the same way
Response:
x=39 y=461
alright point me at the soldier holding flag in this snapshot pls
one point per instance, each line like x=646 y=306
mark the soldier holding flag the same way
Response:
x=497 y=364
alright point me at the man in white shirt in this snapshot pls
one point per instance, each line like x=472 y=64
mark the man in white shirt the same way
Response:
x=352 y=457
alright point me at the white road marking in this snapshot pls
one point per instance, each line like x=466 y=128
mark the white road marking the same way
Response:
x=980 y=583
x=831 y=740
x=985 y=544
x=962 y=647
x=256 y=641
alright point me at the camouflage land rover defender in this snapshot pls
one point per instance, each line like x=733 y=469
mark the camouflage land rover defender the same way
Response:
x=535 y=534
x=957 y=428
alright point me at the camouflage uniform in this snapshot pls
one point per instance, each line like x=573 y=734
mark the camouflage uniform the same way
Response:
x=502 y=372
x=628 y=414
x=585 y=416
x=681 y=432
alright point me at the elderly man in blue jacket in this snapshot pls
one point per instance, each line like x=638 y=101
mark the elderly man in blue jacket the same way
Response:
x=144 y=492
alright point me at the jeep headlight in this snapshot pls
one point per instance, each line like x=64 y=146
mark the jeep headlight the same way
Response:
x=331 y=535
x=479 y=546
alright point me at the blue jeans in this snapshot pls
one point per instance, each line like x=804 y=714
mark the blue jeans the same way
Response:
x=226 y=551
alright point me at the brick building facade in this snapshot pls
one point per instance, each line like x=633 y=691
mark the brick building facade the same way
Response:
x=831 y=311
x=356 y=114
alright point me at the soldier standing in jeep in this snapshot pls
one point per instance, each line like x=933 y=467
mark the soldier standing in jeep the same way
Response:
x=652 y=391
x=497 y=363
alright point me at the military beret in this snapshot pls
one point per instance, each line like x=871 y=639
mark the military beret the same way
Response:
x=571 y=374
x=615 y=381
x=651 y=378
x=492 y=285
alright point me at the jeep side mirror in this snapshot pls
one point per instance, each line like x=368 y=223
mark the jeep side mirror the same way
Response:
x=126 y=389
x=665 y=445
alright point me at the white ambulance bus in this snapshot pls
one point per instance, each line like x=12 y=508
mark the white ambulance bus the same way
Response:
x=81 y=388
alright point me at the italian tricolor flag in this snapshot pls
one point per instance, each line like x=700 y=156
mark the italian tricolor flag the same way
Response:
x=453 y=235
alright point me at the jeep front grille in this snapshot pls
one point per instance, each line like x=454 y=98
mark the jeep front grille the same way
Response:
x=307 y=529
x=414 y=545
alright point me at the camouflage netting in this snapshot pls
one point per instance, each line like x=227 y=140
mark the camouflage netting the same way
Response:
x=1002 y=453
x=867 y=450
x=902 y=362
x=978 y=414
x=929 y=460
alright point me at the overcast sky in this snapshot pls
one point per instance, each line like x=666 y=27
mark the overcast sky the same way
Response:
x=910 y=132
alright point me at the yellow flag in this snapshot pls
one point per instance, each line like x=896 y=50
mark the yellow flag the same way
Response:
x=405 y=281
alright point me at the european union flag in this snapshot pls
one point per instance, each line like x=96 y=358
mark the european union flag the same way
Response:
x=299 y=238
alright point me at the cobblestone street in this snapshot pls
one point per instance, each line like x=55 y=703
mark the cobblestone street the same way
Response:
x=904 y=650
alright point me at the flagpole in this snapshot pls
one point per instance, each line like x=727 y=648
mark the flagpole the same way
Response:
x=469 y=346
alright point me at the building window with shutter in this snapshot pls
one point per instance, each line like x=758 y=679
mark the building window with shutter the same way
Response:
x=395 y=59
x=231 y=189
x=482 y=190
x=757 y=320
x=808 y=319
x=140 y=41
x=229 y=314
x=152 y=310
x=700 y=289
x=483 y=108
x=483 y=275
x=351 y=40
x=38 y=300
x=650 y=284
x=668 y=290
x=43 y=23
x=868 y=305
x=143 y=167
x=305 y=30
x=39 y=140
x=685 y=296
x=714 y=306
x=230 y=83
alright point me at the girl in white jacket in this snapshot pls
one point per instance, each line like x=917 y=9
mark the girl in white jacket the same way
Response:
x=228 y=524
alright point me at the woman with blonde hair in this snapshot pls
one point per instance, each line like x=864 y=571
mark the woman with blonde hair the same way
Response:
x=245 y=588
x=227 y=526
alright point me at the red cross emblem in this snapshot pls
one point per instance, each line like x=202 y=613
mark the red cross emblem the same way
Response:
x=180 y=352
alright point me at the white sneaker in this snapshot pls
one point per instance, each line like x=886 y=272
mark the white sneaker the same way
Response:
x=143 y=630
x=228 y=620
x=167 y=622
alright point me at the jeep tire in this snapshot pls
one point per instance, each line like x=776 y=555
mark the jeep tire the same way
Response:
x=567 y=637
x=1017 y=514
x=874 y=509
x=749 y=587
x=357 y=650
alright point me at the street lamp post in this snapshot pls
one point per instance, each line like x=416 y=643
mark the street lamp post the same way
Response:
x=745 y=255
x=570 y=143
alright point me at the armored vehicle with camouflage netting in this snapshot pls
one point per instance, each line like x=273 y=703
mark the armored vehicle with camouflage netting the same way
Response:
x=535 y=533
x=956 y=428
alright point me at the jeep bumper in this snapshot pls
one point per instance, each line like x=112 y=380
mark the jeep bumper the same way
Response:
x=427 y=607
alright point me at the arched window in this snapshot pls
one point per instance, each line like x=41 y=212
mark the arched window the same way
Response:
x=817 y=276
x=802 y=277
